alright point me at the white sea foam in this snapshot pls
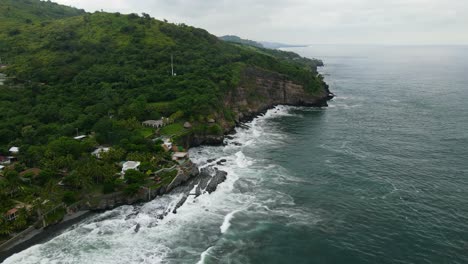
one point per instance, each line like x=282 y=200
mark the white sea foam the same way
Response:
x=203 y=256
x=193 y=232
x=227 y=221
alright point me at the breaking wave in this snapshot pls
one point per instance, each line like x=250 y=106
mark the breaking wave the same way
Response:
x=152 y=233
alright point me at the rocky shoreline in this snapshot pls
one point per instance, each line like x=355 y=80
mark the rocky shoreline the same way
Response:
x=259 y=91
x=42 y=235
x=189 y=175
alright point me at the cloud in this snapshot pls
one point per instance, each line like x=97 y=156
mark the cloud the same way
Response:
x=310 y=21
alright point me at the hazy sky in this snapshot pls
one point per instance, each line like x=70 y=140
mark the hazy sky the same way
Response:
x=310 y=21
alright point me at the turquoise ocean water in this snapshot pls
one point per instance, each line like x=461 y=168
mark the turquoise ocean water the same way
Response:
x=380 y=176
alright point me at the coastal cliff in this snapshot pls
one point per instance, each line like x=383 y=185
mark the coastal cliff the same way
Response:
x=258 y=91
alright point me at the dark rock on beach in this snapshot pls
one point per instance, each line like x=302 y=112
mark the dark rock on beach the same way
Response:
x=221 y=162
x=180 y=203
x=219 y=177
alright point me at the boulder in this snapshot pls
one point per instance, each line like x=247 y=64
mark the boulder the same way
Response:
x=219 y=177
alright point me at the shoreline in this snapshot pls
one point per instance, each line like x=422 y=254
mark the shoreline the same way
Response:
x=40 y=236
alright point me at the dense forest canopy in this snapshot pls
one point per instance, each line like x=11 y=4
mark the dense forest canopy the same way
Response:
x=70 y=69
x=65 y=72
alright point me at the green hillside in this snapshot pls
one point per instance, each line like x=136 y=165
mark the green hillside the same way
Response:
x=69 y=72
x=236 y=39
x=73 y=72
x=15 y=14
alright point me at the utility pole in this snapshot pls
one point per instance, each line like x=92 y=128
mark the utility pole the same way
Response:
x=172 y=65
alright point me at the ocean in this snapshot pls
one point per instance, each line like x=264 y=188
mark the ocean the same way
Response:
x=380 y=176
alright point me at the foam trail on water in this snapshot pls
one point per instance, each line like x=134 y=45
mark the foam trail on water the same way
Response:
x=203 y=256
x=198 y=230
x=227 y=221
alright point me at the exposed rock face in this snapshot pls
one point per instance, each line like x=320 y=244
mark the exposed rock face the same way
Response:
x=186 y=171
x=219 y=177
x=258 y=91
x=195 y=140
x=261 y=90
x=209 y=179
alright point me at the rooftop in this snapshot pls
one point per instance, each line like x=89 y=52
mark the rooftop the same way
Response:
x=97 y=152
x=130 y=165
x=34 y=171
x=12 y=211
x=180 y=155
x=14 y=149
x=153 y=123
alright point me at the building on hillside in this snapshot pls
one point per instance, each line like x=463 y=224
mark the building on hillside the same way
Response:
x=14 y=150
x=81 y=137
x=179 y=156
x=97 y=152
x=129 y=165
x=154 y=123
x=11 y=214
x=4 y=160
x=34 y=172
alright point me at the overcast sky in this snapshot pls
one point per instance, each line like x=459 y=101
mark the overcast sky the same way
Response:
x=310 y=21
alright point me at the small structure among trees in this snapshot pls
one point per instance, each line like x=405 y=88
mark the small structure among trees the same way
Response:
x=130 y=165
x=5 y=160
x=14 y=150
x=81 y=137
x=154 y=123
x=97 y=152
x=179 y=156
x=11 y=214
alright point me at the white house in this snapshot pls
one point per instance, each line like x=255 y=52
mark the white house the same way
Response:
x=14 y=150
x=153 y=123
x=129 y=165
x=1 y=167
x=97 y=152
x=80 y=137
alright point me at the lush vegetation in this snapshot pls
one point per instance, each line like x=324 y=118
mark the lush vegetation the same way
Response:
x=101 y=75
x=236 y=39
